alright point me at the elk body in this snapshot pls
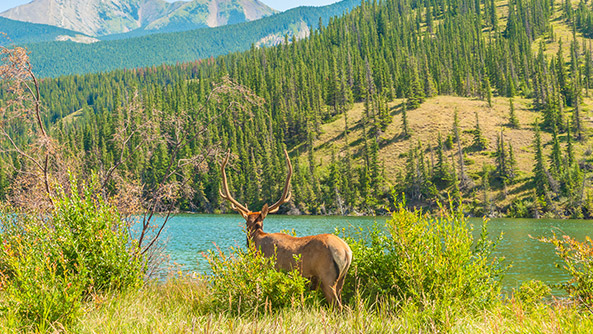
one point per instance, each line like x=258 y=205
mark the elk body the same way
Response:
x=323 y=258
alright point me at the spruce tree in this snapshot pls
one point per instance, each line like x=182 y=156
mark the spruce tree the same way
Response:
x=405 y=127
x=556 y=155
x=540 y=179
x=577 y=122
x=441 y=176
x=487 y=203
x=502 y=163
x=513 y=120
x=479 y=142
x=3 y=181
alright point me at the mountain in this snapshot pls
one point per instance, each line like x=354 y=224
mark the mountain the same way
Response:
x=55 y=59
x=25 y=33
x=106 y=17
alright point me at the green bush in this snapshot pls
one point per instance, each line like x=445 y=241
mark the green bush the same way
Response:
x=578 y=261
x=245 y=281
x=50 y=264
x=426 y=261
x=533 y=292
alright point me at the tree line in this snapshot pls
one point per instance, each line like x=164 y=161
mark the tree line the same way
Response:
x=379 y=52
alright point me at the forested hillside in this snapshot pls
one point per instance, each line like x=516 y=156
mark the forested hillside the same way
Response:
x=127 y=51
x=485 y=102
x=27 y=33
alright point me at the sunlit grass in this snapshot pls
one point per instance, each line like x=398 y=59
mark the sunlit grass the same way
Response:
x=176 y=307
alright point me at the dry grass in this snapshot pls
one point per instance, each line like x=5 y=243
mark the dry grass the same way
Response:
x=175 y=307
x=436 y=116
x=433 y=117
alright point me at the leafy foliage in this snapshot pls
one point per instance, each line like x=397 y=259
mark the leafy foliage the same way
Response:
x=533 y=291
x=50 y=265
x=578 y=262
x=245 y=281
x=426 y=261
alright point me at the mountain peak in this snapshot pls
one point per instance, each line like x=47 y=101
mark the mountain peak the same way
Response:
x=106 y=17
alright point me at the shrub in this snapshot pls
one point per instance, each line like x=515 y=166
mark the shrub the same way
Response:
x=532 y=292
x=578 y=261
x=426 y=261
x=245 y=281
x=50 y=265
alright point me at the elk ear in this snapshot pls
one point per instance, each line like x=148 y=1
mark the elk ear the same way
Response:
x=264 y=211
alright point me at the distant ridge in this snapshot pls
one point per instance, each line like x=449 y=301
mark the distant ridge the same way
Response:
x=106 y=17
x=63 y=58
x=18 y=32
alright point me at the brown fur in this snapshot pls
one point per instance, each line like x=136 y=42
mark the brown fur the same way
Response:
x=324 y=258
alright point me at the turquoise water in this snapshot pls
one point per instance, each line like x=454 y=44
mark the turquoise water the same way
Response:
x=190 y=235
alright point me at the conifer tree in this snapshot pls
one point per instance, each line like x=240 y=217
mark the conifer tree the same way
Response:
x=486 y=202
x=416 y=92
x=405 y=126
x=3 y=181
x=513 y=120
x=488 y=91
x=455 y=191
x=540 y=178
x=556 y=155
x=512 y=164
x=502 y=161
x=441 y=176
x=577 y=122
x=479 y=142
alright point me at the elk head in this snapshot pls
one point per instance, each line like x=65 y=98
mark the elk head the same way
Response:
x=255 y=220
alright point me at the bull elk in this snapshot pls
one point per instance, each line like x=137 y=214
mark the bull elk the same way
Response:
x=324 y=258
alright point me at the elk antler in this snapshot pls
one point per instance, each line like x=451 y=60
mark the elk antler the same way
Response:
x=286 y=193
x=243 y=210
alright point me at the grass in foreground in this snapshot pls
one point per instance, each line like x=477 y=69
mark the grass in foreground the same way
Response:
x=176 y=307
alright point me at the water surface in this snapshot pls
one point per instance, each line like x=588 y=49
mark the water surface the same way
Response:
x=191 y=235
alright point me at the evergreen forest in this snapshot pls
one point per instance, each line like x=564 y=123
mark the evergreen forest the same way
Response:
x=481 y=102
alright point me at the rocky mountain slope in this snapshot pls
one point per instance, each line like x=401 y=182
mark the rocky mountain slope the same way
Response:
x=106 y=17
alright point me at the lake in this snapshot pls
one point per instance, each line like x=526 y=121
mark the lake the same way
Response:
x=190 y=235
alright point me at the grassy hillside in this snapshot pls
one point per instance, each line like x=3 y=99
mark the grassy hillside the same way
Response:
x=436 y=116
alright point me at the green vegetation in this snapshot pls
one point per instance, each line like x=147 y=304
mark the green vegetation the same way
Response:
x=50 y=266
x=422 y=273
x=350 y=78
x=245 y=281
x=418 y=259
x=53 y=59
x=26 y=33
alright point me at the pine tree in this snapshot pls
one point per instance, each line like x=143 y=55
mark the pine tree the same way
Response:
x=513 y=120
x=512 y=164
x=540 y=178
x=416 y=91
x=441 y=176
x=455 y=191
x=502 y=161
x=488 y=91
x=487 y=203
x=556 y=155
x=577 y=122
x=405 y=126
x=3 y=181
x=479 y=143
